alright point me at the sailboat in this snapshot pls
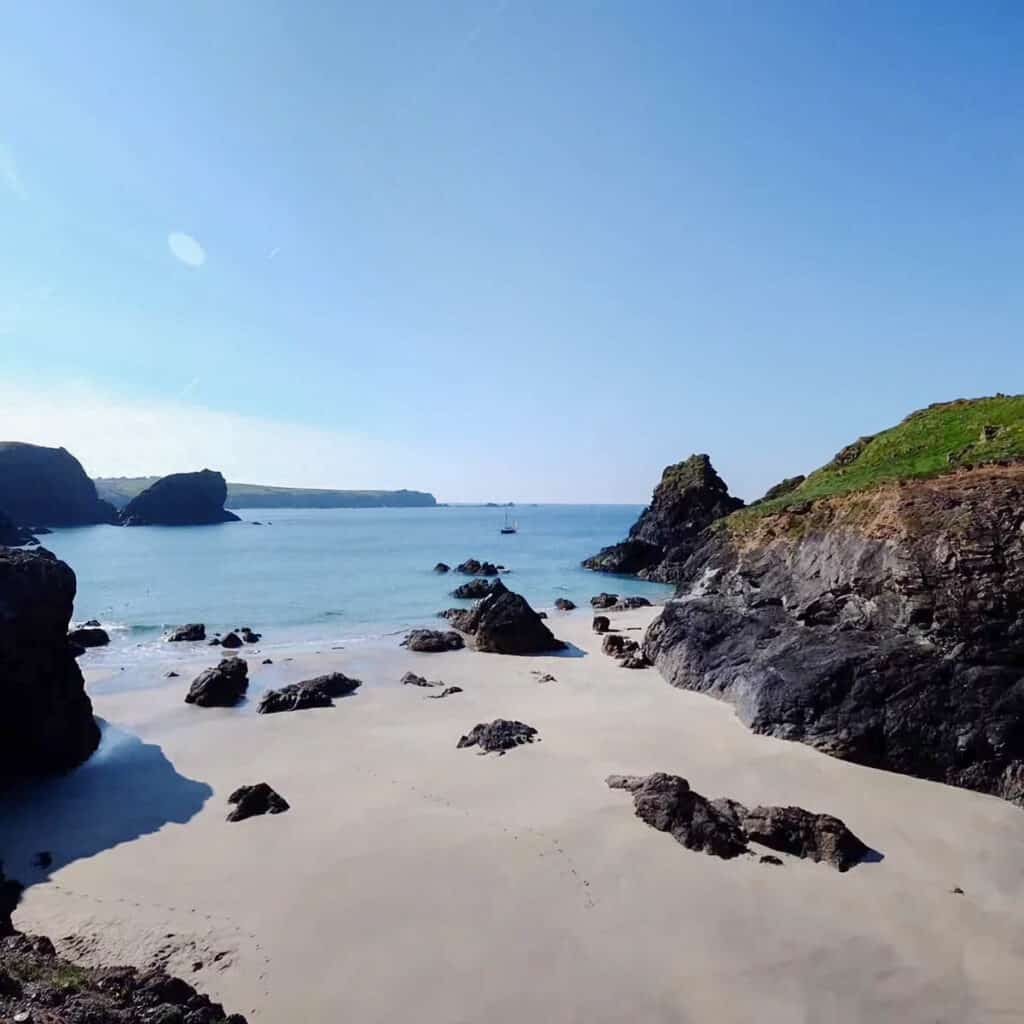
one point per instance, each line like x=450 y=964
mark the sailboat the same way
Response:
x=510 y=525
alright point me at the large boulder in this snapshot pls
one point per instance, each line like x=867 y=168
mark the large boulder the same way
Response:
x=504 y=623
x=46 y=722
x=883 y=626
x=473 y=589
x=89 y=636
x=433 y=641
x=804 y=834
x=191 y=631
x=48 y=487
x=221 y=686
x=181 y=499
x=311 y=693
x=690 y=497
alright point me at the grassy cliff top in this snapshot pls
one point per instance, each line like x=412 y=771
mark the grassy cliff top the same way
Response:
x=941 y=438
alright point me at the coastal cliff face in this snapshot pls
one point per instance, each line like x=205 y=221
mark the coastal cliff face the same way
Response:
x=884 y=626
x=46 y=722
x=689 y=498
x=48 y=487
x=181 y=499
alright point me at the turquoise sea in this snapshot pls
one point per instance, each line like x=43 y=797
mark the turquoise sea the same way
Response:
x=326 y=576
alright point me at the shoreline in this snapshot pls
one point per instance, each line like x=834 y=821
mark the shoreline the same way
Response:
x=410 y=878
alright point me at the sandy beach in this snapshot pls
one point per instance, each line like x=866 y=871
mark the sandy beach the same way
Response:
x=413 y=880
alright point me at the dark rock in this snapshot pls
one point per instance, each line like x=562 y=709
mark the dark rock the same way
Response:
x=215 y=642
x=442 y=567
x=604 y=600
x=546 y=677
x=667 y=803
x=190 y=631
x=446 y=692
x=474 y=589
x=601 y=624
x=43 y=859
x=267 y=661
x=411 y=679
x=690 y=497
x=957 y=891
x=500 y=735
x=312 y=693
x=433 y=641
x=231 y=640
x=75 y=650
x=618 y=646
x=12 y=535
x=635 y=659
x=10 y=895
x=627 y=604
x=770 y=858
x=181 y=499
x=171 y=675
x=88 y=636
x=884 y=627
x=258 y=799
x=92 y=622
x=471 y=567
x=250 y=637
x=563 y=604
x=46 y=723
x=803 y=834
x=221 y=686
x=460 y=618
x=48 y=487
x=504 y=623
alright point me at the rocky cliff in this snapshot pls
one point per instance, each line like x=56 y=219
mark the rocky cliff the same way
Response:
x=48 y=487
x=181 y=499
x=46 y=722
x=690 y=497
x=876 y=610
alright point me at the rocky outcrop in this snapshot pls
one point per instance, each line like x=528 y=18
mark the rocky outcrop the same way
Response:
x=249 y=637
x=433 y=641
x=618 y=646
x=89 y=636
x=499 y=735
x=231 y=640
x=563 y=604
x=221 y=686
x=250 y=801
x=884 y=626
x=473 y=589
x=319 y=692
x=690 y=497
x=10 y=895
x=471 y=567
x=181 y=499
x=48 y=487
x=39 y=987
x=12 y=535
x=504 y=623
x=191 y=631
x=46 y=722
x=724 y=827
x=442 y=567
x=603 y=600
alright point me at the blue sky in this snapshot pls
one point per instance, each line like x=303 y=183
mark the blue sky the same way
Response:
x=526 y=250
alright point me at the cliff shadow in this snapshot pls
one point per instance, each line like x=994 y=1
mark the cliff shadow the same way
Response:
x=127 y=789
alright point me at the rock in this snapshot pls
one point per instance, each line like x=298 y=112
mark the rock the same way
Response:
x=504 y=623
x=471 y=567
x=12 y=535
x=442 y=567
x=546 y=677
x=258 y=799
x=48 y=487
x=46 y=722
x=215 y=642
x=627 y=604
x=635 y=659
x=690 y=497
x=500 y=735
x=411 y=679
x=231 y=640
x=883 y=627
x=433 y=641
x=604 y=600
x=618 y=646
x=221 y=686
x=90 y=636
x=312 y=693
x=601 y=624
x=250 y=637
x=460 y=618
x=446 y=692
x=267 y=661
x=10 y=895
x=957 y=891
x=667 y=803
x=563 y=604
x=769 y=858
x=189 y=632
x=171 y=675
x=91 y=622
x=473 y=590
x=816 y=836
x=181 y=499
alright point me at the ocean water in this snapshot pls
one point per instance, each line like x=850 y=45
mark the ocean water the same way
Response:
x=326 y=576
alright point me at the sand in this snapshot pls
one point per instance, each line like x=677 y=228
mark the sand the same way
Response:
x=411 y=880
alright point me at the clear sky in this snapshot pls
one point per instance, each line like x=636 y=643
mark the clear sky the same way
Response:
x=503 y=250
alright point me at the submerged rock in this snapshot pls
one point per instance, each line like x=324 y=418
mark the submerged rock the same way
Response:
x=46 y=722
x=189 y=632
x=89 y=636
x=471 y=567
x=181 y=499
x=442 y=567
x=563 y=604
x=504 y=623
x=472 y=590
x=433 y=641
x=319 y=692
x=250 y=801
x=221 y=686
x=499 y=735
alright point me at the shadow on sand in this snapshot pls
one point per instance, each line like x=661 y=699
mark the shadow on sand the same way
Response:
x=127 y=789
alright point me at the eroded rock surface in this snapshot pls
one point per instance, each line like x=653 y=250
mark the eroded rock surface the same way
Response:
x=319 y=692
x=433 y=641
x=500 y=735
x=504 y=623
x=191 y=631
x=221 y=686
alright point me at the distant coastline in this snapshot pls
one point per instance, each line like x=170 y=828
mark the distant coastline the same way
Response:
x=120 y=490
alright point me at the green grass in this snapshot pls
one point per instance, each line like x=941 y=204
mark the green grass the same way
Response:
x=927 y=443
